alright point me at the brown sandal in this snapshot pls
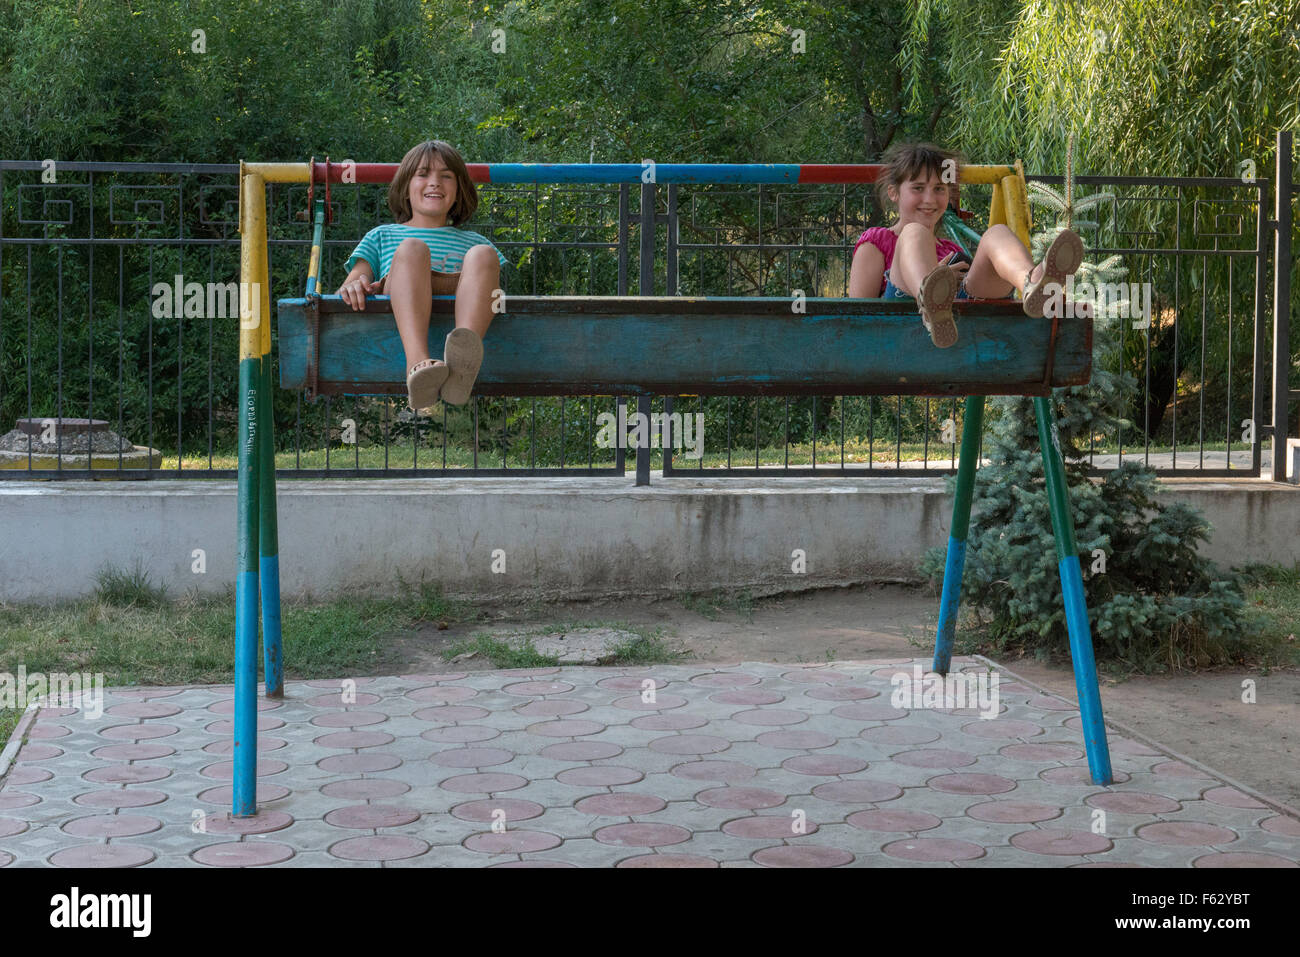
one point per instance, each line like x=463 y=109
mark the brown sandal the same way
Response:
x=463 y=351
x=937 y=292
x=1062 y=260
x=424 y=382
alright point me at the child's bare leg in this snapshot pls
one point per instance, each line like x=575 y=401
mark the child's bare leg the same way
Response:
x=409 y=286
x=914 y=258
x=999 y=266
x=480 y=276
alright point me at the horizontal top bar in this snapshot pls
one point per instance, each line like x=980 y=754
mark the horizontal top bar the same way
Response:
x=752 y=173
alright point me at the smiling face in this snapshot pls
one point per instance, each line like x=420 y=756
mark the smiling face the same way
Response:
x=432 y=191
x=920 y=200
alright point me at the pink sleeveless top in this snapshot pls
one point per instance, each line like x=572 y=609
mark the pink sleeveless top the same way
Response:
x=883 y=238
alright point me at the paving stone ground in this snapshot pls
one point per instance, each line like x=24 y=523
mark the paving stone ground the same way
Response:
x=751 y=765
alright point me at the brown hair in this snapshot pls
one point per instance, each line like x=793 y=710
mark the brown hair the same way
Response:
x=399 y=199
x=907 y=161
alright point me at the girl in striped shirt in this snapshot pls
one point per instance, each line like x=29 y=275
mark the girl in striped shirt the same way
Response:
x=907 y=260
x=424 y=254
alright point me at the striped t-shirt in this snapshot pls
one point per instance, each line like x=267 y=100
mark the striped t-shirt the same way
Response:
x=447 y=246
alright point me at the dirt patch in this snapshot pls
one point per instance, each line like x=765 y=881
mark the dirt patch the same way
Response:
x=1199 y=715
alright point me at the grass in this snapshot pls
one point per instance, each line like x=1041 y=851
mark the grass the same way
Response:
x=712 y=605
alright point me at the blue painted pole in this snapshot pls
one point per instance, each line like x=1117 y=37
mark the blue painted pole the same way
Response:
x=971 y=429
x=1076 y=609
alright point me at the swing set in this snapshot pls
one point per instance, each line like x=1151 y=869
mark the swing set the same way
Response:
x=645 y=346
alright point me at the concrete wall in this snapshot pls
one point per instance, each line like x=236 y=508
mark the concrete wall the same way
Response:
x=560 y=537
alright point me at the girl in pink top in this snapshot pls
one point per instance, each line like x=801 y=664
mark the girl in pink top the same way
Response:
x=908 y=260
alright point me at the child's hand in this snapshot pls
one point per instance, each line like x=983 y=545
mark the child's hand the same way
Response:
x=354 y=293
x=960 y=267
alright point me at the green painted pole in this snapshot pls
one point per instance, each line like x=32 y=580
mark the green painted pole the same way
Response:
x=269 y=541
x=1076 y=609
x=971 y=429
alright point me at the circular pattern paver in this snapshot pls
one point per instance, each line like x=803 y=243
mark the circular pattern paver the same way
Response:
x=969 y=783
x=795 y=740
x=1079 y=776
x=46 y=730
x=358 y=763
x=899 y=734
x=120 y=797
x=768 y=717
x=667 y=860
x=1061 y=841
x=511 y=842
x=264 y=743
x=933 y=849
x=1186 y=834
x=265 y=792
x=816 y=676
x=41 y=752
x=12 y=800
x=242 y=854
x=10 y=826
x=934 y=758
x=141 y=732
x=361 y=699
x=802 y=855
x=25 y=775
x=620 y=805
x=355 y=739
x=487 y=811
x=857 y=792
x=538 y=688
x=824 y=764
x=631 y=682
x=365 y=789
x=383 y=847
x=227 y=705
x=1282 y=825
x=263 y=822
x=550 y=709
x=728 y=772
x=769 y=827
x=1013 y=812
x=440 y=694
x=581 y=751
x=533 y=862
x=225 y=769
x=562 y=728
x=348 y=719
x=725 y=679
x=336 y=684
x=876 y=710
x=1239 y=859
x=893 y=820
x=102 y=855
x=668 y=722
x=601 y=775
x=690 y=744
x=749 y=696
x=530 y=672
x=134 y=752
x=1177 y=769
x=370 y=816
x=111 y=825
x=473 y=757
x=1231 y=797
x=226 y=728
x=143 y=709
x=841 y=693
x=661 y=702
x=1041 y=752
x=127 y=774
x=460 y=734
x=642 y=835
x=1132 y=802
x=740 y=798
x=451 y=713
x=1002 y=728
x=486 y=783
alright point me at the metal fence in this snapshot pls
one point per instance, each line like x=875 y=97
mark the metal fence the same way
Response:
x=99 y=262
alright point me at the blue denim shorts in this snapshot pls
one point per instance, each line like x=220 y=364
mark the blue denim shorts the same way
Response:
x=893 y=292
